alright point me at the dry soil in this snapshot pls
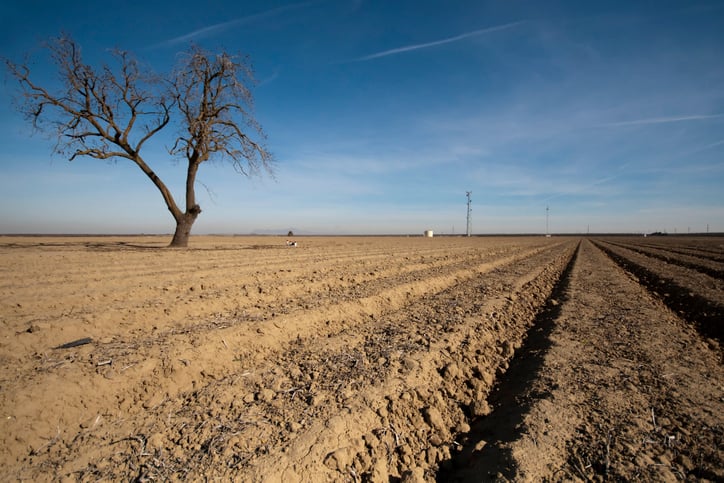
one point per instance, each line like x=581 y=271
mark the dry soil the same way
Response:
x=362 y=359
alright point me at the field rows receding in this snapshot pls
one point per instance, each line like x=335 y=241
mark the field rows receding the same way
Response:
x=90 y=282
x=695 y=296
x=356 y=359
x=224 y=315
x=705 y=254
x=704 y=263
x=705 y=247
x=609 y=386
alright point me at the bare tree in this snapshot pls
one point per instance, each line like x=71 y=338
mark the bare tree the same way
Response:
x=107 y=113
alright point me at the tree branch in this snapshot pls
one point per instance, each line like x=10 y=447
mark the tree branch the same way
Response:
x=113 y=112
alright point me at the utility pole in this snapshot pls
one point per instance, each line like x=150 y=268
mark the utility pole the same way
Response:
x=547 y=234
x=470 y=222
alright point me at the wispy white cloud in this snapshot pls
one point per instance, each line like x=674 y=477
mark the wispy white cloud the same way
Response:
x=223 y=26
x=578 y=187
x=710 y=145
x=662 y=120
x=270 y=78
x=457 y=38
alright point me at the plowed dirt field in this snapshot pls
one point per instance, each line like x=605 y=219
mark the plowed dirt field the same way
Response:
x=362 y=359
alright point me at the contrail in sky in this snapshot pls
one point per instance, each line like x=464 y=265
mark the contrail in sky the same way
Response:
x=662 y=163
x=718 y=143
x=408 y=48
x=662 y=120
x=220 y=27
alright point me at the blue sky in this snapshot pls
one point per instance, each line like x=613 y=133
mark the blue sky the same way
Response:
x=382 y=114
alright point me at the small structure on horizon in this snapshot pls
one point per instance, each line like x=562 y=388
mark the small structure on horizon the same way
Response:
x=469 y=229
x=428 y=233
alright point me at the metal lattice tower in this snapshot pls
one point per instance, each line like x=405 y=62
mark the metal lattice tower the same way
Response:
x=547 y=234
x=470 y=221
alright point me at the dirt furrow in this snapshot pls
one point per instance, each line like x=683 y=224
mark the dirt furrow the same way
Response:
x=170 y=294
x=156 y=366
x=709 y=246
x=708 y=267
x=108 y=269
x=312 y=393
x=422 y=372
x=694 y=296
x=360 y=359
x=315 y=306
x=618 y=389
x=707 y=255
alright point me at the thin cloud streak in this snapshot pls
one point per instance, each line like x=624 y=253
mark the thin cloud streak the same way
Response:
x=220 y=27
x=435 y=43
x=662 y=120
x=708 y=146
x=271 y=78
x=583 y=189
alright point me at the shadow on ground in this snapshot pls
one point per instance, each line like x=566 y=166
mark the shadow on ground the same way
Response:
x=511 y=400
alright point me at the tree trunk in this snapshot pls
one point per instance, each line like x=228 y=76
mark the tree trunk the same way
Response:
x=183 y=230
x=185 y=222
